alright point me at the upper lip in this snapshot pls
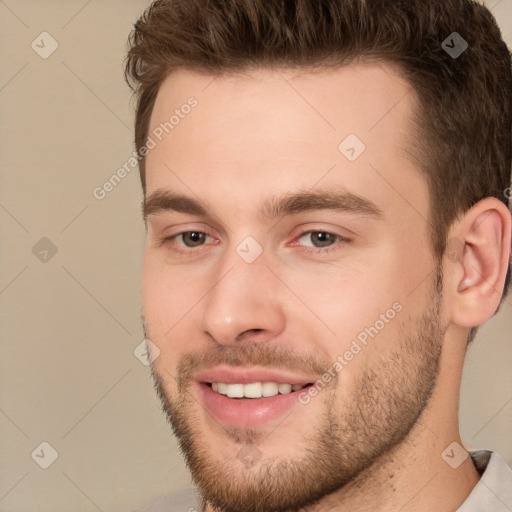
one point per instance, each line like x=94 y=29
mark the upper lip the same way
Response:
x=241 y=375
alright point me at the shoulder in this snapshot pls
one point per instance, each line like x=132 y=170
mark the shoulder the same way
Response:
x=494 y=490
x=186 y=500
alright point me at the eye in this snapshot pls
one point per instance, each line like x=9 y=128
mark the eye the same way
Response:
x=189 y=239
x=319 y=238
x=321 y=241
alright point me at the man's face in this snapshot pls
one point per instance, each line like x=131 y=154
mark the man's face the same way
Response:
x=287 y=255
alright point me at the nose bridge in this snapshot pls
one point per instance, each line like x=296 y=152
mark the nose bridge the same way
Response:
x=242 y=297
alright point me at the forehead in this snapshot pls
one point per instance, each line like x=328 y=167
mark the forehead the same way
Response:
x=256 y=102
x=272 y=130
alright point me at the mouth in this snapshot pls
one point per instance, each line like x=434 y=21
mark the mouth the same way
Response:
x=248 y=398
x=254 y=390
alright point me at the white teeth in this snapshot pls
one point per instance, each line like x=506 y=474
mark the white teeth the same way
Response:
x=254 y=389
x=235 y=390
x=269 y=389
x=284 y=388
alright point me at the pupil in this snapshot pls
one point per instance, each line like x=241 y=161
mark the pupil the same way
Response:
x=322 y=239
x=193 y=238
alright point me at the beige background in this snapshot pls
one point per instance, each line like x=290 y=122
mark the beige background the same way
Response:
x=70 y=325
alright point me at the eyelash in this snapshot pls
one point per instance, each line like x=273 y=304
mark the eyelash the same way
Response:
x=312 y=250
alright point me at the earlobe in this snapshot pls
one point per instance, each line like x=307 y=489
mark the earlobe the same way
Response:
x=480 y=271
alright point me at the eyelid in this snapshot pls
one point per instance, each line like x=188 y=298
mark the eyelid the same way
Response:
x=167 y=230
x=320 y=227
x=180 y=223
x=310 y=231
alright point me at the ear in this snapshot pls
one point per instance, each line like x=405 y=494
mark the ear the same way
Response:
x=476 y=262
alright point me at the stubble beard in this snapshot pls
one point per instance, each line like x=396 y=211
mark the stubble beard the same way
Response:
x=390 y=398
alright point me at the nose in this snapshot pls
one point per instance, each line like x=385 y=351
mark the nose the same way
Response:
x=243 y=300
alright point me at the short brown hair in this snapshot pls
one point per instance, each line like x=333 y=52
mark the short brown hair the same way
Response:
x=463 y=121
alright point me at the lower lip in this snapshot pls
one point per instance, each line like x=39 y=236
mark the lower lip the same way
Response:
x=246 y=412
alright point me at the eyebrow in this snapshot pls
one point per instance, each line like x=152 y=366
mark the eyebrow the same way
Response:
x=326 y=199
x=286 y=204
x=161 y=201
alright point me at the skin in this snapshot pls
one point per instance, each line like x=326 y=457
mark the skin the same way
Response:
x=373 y=438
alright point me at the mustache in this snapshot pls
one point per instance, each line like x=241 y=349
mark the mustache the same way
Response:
x=250 y=354
x=247 y=354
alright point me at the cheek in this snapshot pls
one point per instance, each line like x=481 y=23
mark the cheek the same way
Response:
x=364 y=323
x=345 y=296
x=170 y=297
x=354 y=311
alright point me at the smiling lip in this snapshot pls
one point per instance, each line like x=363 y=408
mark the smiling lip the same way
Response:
x=241 y=375
x=247 y=412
